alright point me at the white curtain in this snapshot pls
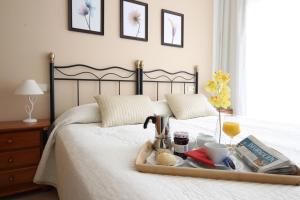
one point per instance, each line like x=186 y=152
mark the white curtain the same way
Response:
x=272 y=60
x=229 y=47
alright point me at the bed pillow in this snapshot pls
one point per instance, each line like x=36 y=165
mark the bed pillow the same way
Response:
x=190 y=106
x=162 y=108
x=124 y=110
x=87 y=113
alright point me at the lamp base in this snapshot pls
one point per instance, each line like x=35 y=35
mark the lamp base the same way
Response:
x=30 y=120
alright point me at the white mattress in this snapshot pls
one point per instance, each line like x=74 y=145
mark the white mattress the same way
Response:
x=85 y=161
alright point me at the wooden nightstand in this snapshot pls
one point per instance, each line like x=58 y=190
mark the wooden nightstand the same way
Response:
x=21 y=146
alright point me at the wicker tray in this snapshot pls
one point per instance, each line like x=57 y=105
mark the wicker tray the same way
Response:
x=146 y=150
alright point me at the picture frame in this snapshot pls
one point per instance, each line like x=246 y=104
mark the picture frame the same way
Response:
x=134 y=20
x=172 y=28
x=86 y=16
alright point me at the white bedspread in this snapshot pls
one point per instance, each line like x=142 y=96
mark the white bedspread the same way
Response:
x=87 y=162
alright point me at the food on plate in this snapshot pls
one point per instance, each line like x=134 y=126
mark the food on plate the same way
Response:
x=158 y=151
x=166 y=159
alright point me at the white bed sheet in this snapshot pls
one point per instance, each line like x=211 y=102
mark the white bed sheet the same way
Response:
x=89 y=162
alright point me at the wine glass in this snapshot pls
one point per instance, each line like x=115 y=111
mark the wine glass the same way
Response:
x=231 y=129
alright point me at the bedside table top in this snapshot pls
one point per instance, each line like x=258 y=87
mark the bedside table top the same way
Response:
x=20 y=125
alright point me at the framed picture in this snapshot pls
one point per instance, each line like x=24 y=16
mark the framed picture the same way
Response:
x=134 y=20
x=86 y=16
x=172 y=28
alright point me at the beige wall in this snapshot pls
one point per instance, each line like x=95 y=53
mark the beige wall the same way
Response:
x=30 y=29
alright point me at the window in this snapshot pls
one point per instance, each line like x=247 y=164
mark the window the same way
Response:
x=273 y=60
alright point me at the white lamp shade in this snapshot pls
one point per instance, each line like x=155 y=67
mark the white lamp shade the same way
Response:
x=29 y=87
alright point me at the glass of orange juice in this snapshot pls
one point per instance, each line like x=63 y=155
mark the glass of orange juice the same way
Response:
x=231 y=129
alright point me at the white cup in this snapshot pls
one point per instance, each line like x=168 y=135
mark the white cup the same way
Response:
x=217 y=152
x=204 y=138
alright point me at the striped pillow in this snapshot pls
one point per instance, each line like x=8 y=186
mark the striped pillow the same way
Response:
x=190 y=106
x=124 y=110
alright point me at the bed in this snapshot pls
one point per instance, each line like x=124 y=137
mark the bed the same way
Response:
x=85 y=161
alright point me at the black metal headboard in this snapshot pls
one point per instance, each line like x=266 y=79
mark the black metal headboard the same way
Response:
x=180 y=77
x=137 y=76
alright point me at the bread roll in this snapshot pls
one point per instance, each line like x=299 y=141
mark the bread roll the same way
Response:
x=158 y=151
x=165 y=159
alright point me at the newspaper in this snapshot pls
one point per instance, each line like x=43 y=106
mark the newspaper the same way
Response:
x=260 y=158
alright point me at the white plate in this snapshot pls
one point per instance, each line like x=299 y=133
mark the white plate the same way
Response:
x=199 y=165
x=239 y=166
x=151 y=160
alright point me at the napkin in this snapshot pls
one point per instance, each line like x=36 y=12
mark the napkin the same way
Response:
x=200 y=155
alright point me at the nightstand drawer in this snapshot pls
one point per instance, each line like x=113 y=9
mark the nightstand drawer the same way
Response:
x=14 y=159
x=20 y=139
x=15 y=177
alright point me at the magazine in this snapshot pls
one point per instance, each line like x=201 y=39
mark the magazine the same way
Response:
x=261 y=158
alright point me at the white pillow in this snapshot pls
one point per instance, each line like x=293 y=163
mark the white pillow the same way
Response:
x=162 y=108
x=123 y=110
x=190 y=106
x=87 y=113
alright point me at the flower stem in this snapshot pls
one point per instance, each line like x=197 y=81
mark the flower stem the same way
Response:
x=138 y=31
x=87 y=23
x=220 y=125
x=90 y=20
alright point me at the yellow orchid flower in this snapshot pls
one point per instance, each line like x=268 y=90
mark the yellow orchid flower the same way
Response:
x=224 y=95
x=225 y=78
x=219 y=76
x=225 y=103
x=226 y=88
x=220 y=90
x=211 y=86
x=225 y=92
x=215 y=101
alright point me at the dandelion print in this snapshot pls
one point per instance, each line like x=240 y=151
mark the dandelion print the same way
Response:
x=86 y=10
x=135 y=19
x=173 y=29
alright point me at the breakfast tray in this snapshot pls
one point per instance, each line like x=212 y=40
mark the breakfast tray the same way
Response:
x=147 y=149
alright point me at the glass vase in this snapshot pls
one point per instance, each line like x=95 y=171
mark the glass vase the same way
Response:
x=218 y=130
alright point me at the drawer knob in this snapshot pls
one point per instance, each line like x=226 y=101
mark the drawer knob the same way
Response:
x=10 y=160
x=11 y=179
x=9 y=141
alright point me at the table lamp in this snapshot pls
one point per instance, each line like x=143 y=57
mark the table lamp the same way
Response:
x=31 y=89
